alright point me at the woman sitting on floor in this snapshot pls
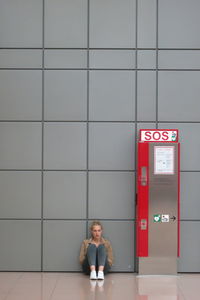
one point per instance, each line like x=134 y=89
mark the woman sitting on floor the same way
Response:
x=96 y=255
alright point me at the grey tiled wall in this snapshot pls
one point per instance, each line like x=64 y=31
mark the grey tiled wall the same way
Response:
x=78 y=79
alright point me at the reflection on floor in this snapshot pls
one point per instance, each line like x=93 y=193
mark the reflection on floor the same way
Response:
x=76 y=286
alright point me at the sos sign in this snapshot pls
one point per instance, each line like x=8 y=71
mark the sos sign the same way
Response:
x=159 y=135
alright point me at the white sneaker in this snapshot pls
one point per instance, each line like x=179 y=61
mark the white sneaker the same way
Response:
x=93 y=275
x=101 y=275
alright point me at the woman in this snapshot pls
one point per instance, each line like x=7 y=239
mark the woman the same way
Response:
x=96 y=256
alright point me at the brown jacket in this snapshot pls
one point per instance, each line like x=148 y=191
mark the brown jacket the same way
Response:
x=105 y=242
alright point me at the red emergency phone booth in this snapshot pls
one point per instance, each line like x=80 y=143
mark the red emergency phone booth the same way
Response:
x=158 y=201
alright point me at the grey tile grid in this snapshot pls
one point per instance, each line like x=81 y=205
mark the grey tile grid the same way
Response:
x=20 y=194
x=107 y=69
x=19 y=103
x=63 y=99
x=70 y=26
x=136 y=82
x=93 y=170
x=20 y=218
x=18 y=21
x=68 y=58
x=20 y=245
x=110 y=33
x=20 y=146
x=71 y=170
x=78 y=219
x=20 y=58
x=107 y=48
x=102 y=48
x=109 y=59
x=136 y=107
x=146 y=60
x=189 y=220
x=87 y=150
x=157 y=43
x=190 y=231
x=122 y=122
x=183 y=24
x=147 y=23
x=174 y=59
x=189 y=190
x=42 y=171
x=179 y=96
x=88 y=122
x=57 y=237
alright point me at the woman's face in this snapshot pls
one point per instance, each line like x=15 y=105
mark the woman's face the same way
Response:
x=96 y=231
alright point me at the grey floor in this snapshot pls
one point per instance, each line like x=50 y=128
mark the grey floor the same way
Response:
x=76 y=286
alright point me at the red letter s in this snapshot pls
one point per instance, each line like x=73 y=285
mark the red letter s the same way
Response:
x=147 y=135
x=165 y=136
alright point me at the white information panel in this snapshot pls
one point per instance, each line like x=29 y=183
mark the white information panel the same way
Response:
x=164 y=160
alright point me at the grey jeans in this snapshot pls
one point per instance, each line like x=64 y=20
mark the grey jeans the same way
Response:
x=96 y=256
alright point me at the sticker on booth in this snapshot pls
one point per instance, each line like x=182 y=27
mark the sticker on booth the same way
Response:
x=165 y=218
x=157 y=218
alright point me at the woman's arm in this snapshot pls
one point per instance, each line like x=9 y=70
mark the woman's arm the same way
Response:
x=82 y=253
x=110 y=254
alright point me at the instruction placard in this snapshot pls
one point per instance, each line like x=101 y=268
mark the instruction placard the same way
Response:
x=164 y=160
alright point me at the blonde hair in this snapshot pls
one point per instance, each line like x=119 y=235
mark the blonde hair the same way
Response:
x=95 y=223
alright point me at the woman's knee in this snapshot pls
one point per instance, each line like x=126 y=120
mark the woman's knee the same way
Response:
x=101 y=248
x=92 y=246
x=91 y=252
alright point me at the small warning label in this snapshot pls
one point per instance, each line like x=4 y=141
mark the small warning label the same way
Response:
x=157 y=218
x=165 y=218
